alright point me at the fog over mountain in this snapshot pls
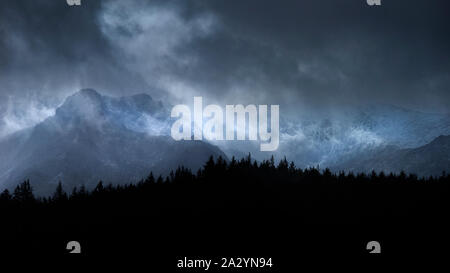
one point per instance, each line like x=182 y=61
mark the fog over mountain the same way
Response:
x=351 y=80
x=431 y=159
x=355 y=131
x=93 y=137
x=311 y=57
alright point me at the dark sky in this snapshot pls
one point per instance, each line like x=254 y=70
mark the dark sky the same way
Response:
x=312 y=54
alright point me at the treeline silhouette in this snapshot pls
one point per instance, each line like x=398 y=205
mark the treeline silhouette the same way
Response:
x=233 y=197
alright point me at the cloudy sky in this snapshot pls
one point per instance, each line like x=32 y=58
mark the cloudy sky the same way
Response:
x=311 y=55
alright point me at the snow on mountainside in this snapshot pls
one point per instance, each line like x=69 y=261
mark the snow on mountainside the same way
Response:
x=430 y=159
x=356 y=131
x=402 y=127
x=93 y=137
x=137 y=113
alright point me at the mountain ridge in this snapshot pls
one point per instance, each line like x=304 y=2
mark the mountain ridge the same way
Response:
x=127 y=137
x=90 y=139
x=428 y=160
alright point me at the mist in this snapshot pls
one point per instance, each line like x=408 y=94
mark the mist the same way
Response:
x=316 y=59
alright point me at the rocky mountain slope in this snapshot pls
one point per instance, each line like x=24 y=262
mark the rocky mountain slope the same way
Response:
x=93 y=137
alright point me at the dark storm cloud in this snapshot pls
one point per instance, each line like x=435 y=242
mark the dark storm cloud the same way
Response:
x=295 y=53
x=329 y=51
x=47 y=46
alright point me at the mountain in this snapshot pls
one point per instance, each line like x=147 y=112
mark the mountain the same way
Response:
x=356 y=131
x=402 y=127
x=430 y=159
x=93 y=137
x=120 y=140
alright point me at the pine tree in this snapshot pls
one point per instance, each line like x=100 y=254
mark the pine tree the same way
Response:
x=150 y=179
x=60 y=194
x=99 y=187
x=24 y=192
x=5 y=196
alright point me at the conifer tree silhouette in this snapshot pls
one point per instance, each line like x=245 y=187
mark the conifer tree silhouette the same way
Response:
x=235 y=190
x=59 y=194
x=5 y=196
x=24 y=192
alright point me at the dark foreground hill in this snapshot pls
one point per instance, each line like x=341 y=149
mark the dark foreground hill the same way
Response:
x=234 y=209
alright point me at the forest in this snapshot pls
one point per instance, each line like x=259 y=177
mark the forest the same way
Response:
x=230 y=206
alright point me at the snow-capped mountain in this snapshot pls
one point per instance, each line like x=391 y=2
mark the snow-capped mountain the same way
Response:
x=93 y=137
x=356 y=131
x=430 y=159
x=120 y=140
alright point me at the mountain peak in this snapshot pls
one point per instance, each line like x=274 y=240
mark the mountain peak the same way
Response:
x=142 y=96
x=138 y=113
x=88 y=92
x=86 y=102
x=84 y=95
